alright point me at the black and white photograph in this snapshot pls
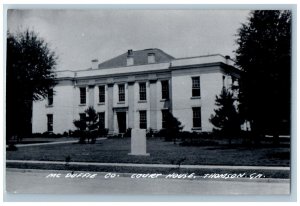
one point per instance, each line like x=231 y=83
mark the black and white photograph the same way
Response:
x=142 y=101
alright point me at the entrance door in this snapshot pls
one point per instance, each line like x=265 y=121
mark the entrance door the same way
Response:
x=121 y=121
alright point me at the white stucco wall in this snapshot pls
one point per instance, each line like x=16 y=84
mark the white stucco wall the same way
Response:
x=141 y=104
x=39 y=118
x=101 y=107
x=210 y=86
x=62 y=110
x=161 y=104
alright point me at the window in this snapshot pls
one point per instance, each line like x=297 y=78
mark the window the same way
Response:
x=50 y=97
x=143 y=119
x=101 y=94
x=165 y=89
x=82 y=95
x=121 y=92
x=151 y=58
x=49 y=122
x=130 y=61
x=164 y=114
x=196 y=86
x=101 y=120
x=143 y=94
x=197 y=117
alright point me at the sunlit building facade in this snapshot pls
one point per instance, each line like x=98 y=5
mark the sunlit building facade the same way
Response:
x=136 y=90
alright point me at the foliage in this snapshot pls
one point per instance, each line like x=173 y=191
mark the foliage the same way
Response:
x=49 y=135
x=264 y=55
x=91 y=119
x=103 y=132
x=11 y=147
x=89 y=125
x=172 y=128
x=197 y=138
x=80 y=124
x=127 y=133
x=150 y=132
x=226 y=119
x=30 y=74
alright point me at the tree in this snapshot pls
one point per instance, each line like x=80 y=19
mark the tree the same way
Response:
x=172 y=127
x=264 y=56
x=88 y=125
x=91 y=119
x=30 y=74
x=226 y=119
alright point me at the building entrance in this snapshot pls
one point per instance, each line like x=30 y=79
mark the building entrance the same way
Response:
x=121 y=116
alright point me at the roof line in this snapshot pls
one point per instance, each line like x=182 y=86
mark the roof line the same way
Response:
x=89 y=69
x=200 y=56
x=67 y=70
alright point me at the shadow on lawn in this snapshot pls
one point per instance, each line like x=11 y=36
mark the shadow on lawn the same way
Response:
x=161 y=152
x=279 y=155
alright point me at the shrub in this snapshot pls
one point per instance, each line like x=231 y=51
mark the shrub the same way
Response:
x=197 y=138
x=162 y=133
x=58 y=135
x=37 y=135
x=46 y=134
x=102 y=132
x=205 y=135
x=11 y=147
x=151 y=133
x=51 y=134
x=127 y=133
x=76 y=133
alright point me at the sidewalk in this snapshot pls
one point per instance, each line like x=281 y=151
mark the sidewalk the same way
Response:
x=54 y=142
x=272 y=168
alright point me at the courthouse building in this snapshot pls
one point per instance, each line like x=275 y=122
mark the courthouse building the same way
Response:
x=135 y=90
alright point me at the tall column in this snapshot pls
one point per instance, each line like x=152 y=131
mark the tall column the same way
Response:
x=110 y=113
x=130 y=104
x=91 y=95
x=153 y=104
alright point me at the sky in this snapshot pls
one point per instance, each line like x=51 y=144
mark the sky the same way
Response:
x=78 y=36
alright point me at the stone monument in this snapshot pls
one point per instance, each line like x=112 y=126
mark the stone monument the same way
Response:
x=138 y=142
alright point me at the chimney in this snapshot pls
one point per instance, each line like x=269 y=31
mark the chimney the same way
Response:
x=227 y=59
x=130 y=61
x=129 y=52
x=95 y=64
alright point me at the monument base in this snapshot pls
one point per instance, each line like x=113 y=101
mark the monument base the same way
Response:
x=136 y=154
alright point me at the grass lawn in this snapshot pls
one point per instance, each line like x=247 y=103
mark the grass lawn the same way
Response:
x=116 y=151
